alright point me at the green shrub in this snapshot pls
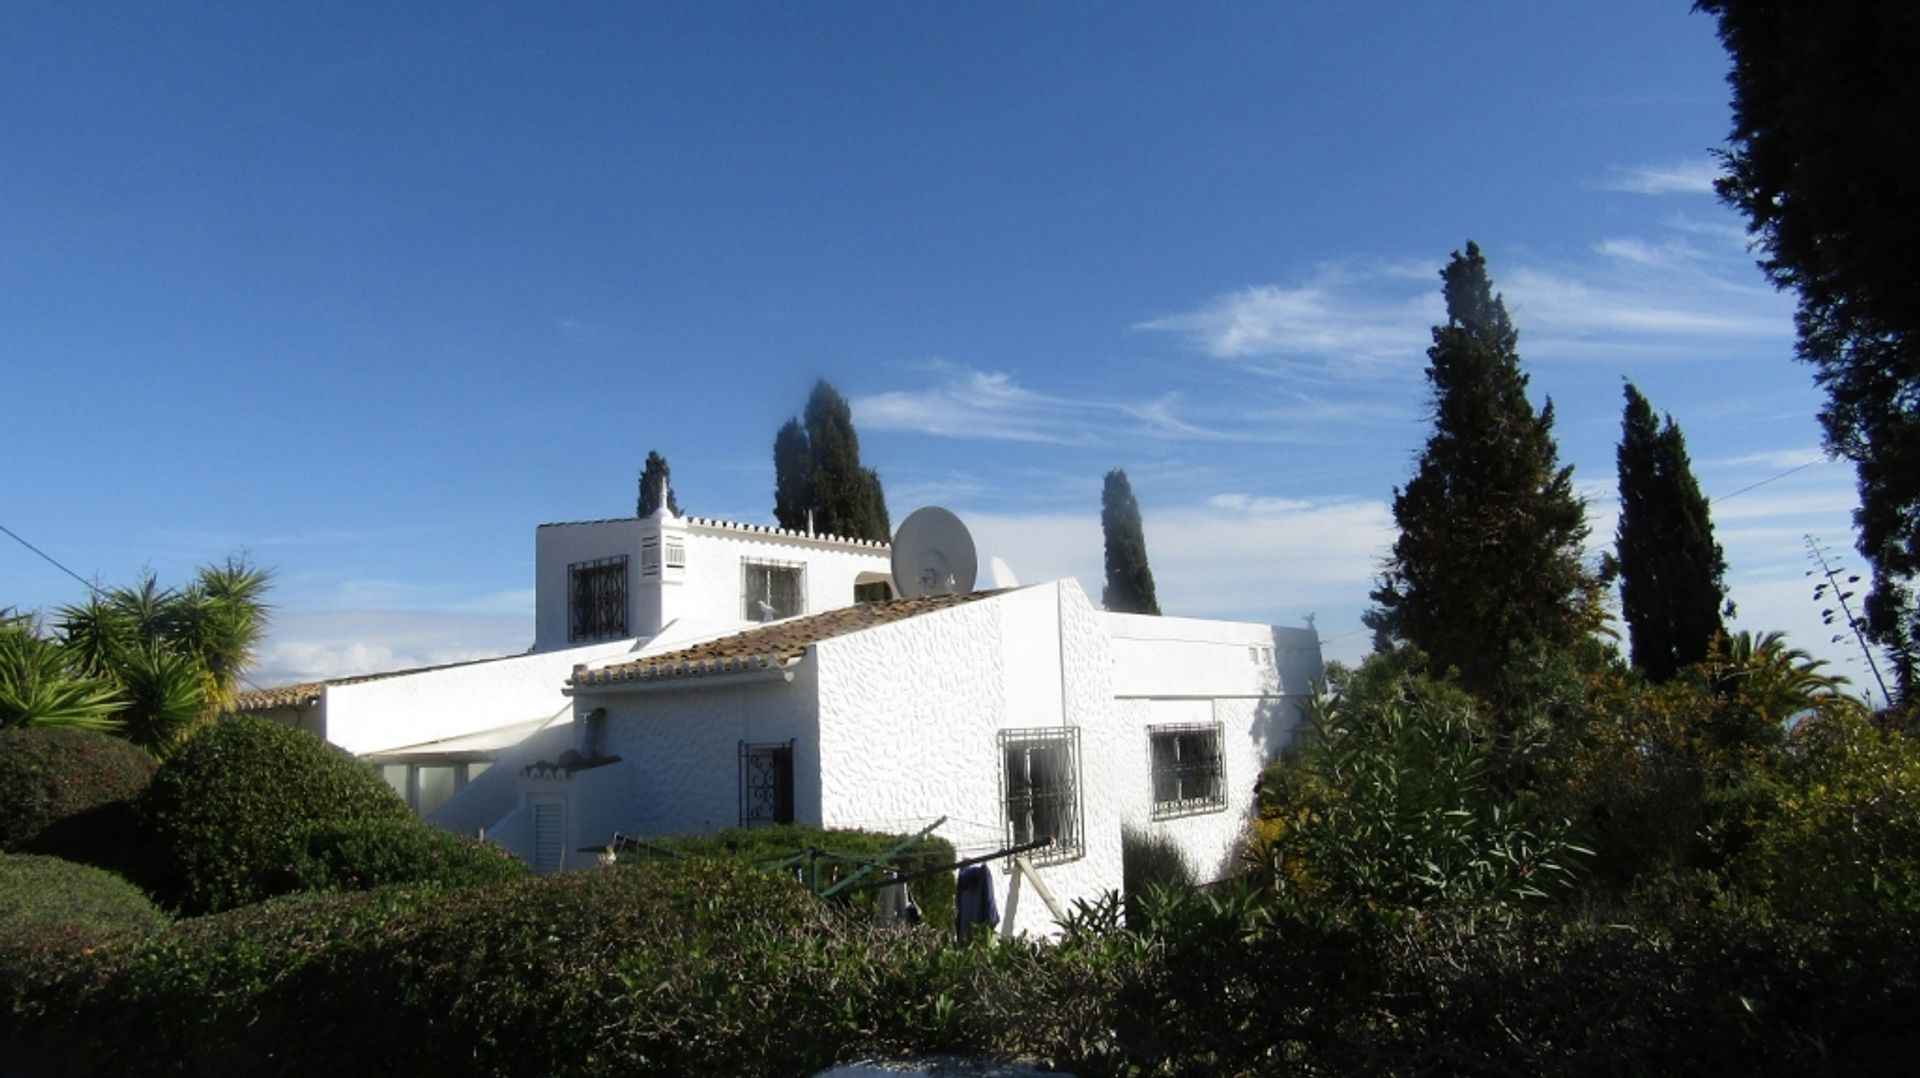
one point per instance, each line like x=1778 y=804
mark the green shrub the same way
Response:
x=842 y=850
x=695 y=967
x=230 y=810
x=376 y=853
x=73 y=783
x=58 y=922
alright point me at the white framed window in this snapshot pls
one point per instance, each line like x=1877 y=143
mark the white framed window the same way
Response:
x=1040 y=790
x=770 y=590
x=597 y=599
x=676 y=554
x=650 y=556
x=427 y=784
x=1189 y=769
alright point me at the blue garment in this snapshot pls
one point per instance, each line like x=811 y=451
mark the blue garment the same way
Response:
x=973 y=901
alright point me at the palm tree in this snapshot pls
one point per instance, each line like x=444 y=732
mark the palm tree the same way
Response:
x=1773 y=679
x=40 y=687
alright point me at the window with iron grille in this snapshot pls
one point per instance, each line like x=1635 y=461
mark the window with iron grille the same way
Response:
x=771 y=590
x=597 y=599
x=1189 y=775
x=1040 y=783
x=766 y=784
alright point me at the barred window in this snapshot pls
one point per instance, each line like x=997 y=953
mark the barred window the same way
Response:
x=597 y=599
x=766 y=784
x=676 y=554
x=772 y=590
x=1040 y=781
x=1189 y=775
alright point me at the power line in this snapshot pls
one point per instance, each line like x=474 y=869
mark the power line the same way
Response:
x=50 y=559
x=1769 y=479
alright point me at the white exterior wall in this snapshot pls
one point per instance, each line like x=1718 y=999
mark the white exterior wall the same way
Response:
x=716 y=552
x=369 y=717
x=910 y=715
x=708 y=587
x=1252 y=679
x=679 y=749
x=556 y=546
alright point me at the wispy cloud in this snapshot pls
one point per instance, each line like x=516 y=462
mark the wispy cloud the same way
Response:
x=967 y=403
x=313 y=645
x=1798 y=457
x=1340 y=325
x=1690 y=177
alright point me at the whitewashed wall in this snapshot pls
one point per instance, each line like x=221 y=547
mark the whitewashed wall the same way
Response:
x=910 y=715
x=679 y=750
x=708 y=587
x=1171 y=671
x=367 y=717
x=716 y=550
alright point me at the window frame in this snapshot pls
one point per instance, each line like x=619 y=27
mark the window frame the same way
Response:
x=750 y=596
x=777 y=807
x=580 y=575
x=1208 y=771
x=1025 y=803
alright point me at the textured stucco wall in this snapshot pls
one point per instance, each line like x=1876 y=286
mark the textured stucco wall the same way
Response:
x=910 y=715
x=680 y=765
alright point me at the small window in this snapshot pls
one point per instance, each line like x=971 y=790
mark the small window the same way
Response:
x=1040 y=784
x=766 y=784
x=650 y=557
x=676 y=554
x=1188 y=774
x=877 y=591
x=772 y=590
x=597 y=599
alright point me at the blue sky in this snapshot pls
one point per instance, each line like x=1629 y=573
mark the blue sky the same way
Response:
x=368 y=291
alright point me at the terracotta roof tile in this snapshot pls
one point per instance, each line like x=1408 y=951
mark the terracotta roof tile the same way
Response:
x=769 y=646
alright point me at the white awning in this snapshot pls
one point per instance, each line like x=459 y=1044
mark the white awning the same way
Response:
x=479 y=744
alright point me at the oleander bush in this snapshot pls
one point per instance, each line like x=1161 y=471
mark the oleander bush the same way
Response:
x=69 y=792
x=232 y=807
x=841 y=851
x=376 y=853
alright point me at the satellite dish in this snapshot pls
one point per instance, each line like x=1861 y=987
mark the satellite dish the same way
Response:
x=1001 y=573
x=933 y=555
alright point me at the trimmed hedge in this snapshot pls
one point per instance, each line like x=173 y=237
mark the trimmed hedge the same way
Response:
x=59 y=921
x=766 y=846
x=377 y=853
x=232 y=808
x=66 y=792
x=692 y=967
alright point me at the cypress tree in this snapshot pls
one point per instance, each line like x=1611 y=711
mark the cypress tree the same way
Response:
x=654 y=478
x=792 y=476
x=1129 y=587
x=1488 y=556
x=1672 y=573
x=817 y=467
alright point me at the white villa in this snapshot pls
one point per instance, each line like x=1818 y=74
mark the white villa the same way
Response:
x=690 y=674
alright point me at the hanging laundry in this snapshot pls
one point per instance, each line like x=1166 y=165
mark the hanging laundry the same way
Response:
x=973 y=901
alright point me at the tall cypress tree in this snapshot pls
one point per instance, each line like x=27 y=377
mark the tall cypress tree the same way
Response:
x=817 y=467
x=655 y=478
x=1488 y=555
x=1672 y=573
x=1129 y=587
x=792 y=476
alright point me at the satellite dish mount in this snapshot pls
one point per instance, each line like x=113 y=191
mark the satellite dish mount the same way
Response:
x=933 y=555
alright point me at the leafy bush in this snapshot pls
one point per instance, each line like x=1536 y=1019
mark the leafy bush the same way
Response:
x=1390 y=803
x=1843 y=836
x=69 y=792
x=842 y=851
x=695 y=967
x=57 y=921
x=376 y=853
x=233 y=807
